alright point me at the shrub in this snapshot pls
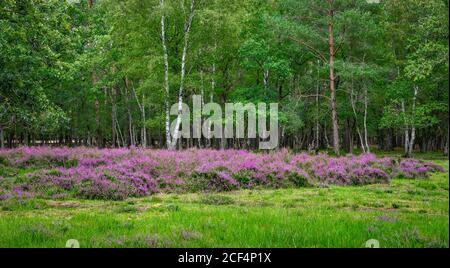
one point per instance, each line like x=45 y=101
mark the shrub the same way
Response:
x=300 y=180
x=117 y=174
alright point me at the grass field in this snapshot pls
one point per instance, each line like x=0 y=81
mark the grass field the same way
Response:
x=407 y=213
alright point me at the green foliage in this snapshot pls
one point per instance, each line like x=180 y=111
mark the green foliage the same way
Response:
x=64 y=65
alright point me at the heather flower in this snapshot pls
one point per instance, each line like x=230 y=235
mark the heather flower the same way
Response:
x=6 y=196
x=227 y=178
x=122 y=173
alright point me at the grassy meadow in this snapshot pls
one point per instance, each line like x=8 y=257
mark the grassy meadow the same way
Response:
x=406 y=213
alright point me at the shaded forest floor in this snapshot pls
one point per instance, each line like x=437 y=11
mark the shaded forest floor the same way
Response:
x=406 y=213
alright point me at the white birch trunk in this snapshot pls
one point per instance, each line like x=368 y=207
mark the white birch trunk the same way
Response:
x=266 y=79
x=142 y=110
x=366 y=139
x=187 y=30
x=413 y=126
x=144 y=128
x=114 y=117
x=202 y=105
x=406 y=143
x=352 y=101
x=213 y=88
x=130 y=116
x=122 y=139
x=166 y=76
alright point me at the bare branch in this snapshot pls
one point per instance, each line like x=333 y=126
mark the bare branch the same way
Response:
x=316 y=52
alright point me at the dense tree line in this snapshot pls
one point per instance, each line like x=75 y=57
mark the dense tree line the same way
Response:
x=346 y=73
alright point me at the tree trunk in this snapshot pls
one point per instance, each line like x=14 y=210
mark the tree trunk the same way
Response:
x=413 y=126
x=122 y=139
x=202 y=103
x=366 y=134
x=2 y=138
x=334 y=118
x=266 y=81
x=223 y=140
x=446 y=145
x=353 y=104
x=317 y=143
x=211 y=97
x=98 y=130
x=113 y=115
x=142 y=110
x=389 y=145
x=347 y=136
x=130 y=116
x=187 y=30
x=325 y=135
x=144 y=128
x=406 y=139
x=166 y=76
x=98 y=137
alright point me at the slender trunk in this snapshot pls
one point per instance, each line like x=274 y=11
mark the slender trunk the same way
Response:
x=122 y=139
x=98 y=138
x=213 y=88
x=113 y=115
x=142 y=110
x=334 y=118
x=223 y=140
x=130 y=116
x=202 y=105
x=446 y=145
x=98 y=130
x=2 y=138
x=390 y=140
x=347 y=135
x=166 y=76
x=144 y=128
x=366 y=139
x=413 y=126
x=178 y=122
x=406 y=140
x=187 y=30
x=352 y=101
x=325 y=134
x=266 y=81
x=317 y=107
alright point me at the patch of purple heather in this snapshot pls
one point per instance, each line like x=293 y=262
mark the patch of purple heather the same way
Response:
x=415 y=169
x=5 y=196
x=17 y=193
x=122 y=173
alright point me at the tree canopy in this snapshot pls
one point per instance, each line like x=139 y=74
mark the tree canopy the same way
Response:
x=346 y=74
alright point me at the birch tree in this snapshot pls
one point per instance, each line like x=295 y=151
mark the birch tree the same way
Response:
x=166 y=75
x=172 y=140
x=187 y=30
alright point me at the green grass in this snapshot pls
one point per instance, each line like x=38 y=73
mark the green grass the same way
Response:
x=407 y=213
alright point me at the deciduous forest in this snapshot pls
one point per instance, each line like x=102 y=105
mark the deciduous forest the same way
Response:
x=354 y=151
x=347 y=74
